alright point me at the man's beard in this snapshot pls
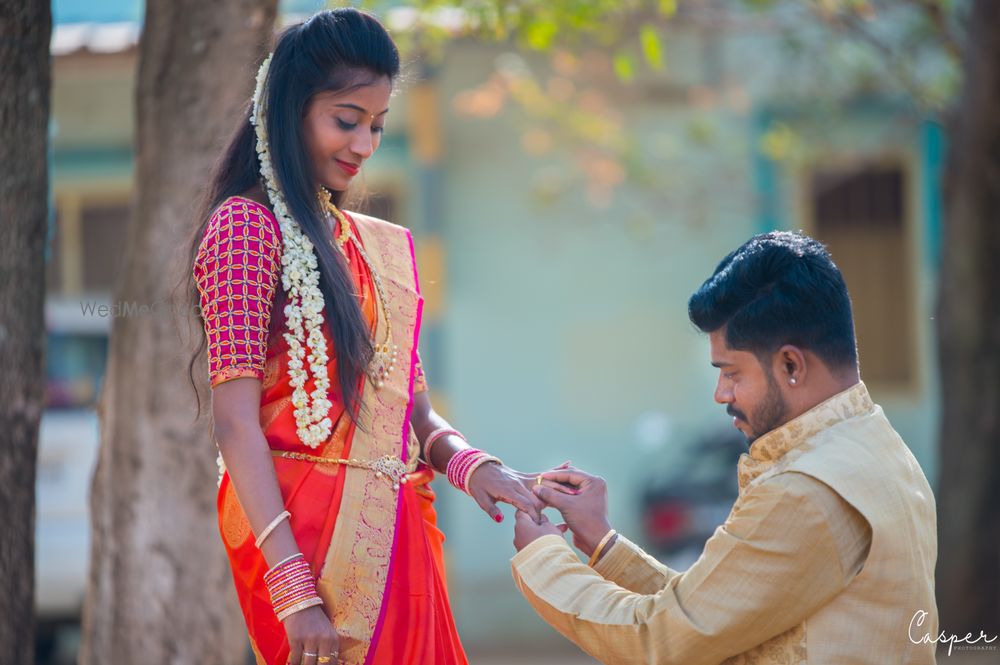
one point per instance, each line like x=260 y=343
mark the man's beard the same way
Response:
x=769 y=414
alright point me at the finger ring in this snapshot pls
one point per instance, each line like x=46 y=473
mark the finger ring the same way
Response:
x=538 y=480
x=309 y=655
x=324 y=659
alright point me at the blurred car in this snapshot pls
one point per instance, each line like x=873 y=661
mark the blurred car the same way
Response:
x=67 y=453
x=75 y=357
x=681 y=511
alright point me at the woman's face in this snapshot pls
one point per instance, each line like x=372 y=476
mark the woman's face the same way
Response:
x=342 y=130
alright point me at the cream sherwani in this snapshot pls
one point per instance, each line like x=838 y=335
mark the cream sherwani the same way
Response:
x=826 y=556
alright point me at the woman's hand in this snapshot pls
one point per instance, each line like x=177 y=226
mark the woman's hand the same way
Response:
x=311 y=636
x=494 y=482
x=529 y=480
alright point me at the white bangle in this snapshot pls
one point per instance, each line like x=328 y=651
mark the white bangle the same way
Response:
x=434 y=436
x=270 y=527
x=298 y=607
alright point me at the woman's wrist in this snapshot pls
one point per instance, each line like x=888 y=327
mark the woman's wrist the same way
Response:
x=464 y=463
x=444 y=450
x=291 y=586
x=431 y=442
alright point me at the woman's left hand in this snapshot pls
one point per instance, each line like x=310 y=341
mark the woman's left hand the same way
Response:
x=492 y=483
x=504 y=484
x=529 y=479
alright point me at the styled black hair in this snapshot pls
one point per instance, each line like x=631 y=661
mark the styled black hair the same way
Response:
x=779 y=288
x=333 y=51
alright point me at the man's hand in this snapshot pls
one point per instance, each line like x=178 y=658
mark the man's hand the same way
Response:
x=585 y=511
x=526 y=530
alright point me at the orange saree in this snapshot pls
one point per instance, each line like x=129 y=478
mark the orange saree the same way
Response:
x=375 y=550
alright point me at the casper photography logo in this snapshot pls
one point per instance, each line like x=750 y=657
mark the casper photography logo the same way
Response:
x=919 y=635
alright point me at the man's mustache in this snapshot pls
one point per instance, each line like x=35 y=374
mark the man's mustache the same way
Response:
x=736 y=413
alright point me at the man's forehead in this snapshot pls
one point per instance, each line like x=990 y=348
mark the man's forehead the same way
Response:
x=722 y=354
x=718 y=349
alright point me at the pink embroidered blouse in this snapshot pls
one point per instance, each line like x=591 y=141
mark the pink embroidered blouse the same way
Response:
x=237 y=269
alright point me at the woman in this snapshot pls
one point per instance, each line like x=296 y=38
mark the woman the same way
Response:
x=324 y=503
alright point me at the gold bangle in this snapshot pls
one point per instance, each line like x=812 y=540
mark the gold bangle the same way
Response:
x=600 y=547
x=298 y=607
x=270 y=527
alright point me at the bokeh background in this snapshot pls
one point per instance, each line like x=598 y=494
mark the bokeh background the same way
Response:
x=570 y=179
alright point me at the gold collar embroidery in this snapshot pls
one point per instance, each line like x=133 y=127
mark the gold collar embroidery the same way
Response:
x=773 y=447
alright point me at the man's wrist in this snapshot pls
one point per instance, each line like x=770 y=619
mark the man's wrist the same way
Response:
x=603 y=548
x=593 y=537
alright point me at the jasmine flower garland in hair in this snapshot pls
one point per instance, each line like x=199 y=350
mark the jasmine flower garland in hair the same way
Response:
x=304 y=310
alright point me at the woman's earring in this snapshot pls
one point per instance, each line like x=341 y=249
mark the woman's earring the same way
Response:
x=793 y=380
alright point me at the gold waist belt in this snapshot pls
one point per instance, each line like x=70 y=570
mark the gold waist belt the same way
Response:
x=391 y=468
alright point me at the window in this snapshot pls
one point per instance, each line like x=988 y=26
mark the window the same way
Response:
x=54 y=255
x=860 y=215
x=103 y=240
x=85 y=258
x=87 y=250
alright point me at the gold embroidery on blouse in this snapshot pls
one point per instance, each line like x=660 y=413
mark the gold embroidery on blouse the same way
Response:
x=236 y=272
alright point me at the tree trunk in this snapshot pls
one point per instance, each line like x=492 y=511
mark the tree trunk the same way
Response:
x=25 y=77
x=160 y=590
x=968 y=575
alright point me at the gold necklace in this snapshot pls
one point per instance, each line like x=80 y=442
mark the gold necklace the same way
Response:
x=383 y=360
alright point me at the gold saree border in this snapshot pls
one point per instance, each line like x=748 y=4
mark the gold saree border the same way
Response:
x=356 y=568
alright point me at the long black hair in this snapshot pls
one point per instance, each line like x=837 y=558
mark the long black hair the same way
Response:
x=333 y=51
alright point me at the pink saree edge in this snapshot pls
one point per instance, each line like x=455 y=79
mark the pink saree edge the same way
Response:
x=377 y=633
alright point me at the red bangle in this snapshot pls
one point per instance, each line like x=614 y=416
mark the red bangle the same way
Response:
x=291 y=586
x=458 y=464
x=464 y=463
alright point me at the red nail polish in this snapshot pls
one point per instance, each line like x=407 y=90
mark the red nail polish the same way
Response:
x=499 y=518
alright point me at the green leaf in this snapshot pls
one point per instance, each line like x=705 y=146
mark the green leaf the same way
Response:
x=668 y=7
x=650 y=42
x=540 y=34
x=624 y=68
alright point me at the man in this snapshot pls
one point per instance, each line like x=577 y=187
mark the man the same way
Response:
x=828 y=553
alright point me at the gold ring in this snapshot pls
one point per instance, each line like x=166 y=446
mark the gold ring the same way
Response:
x=324 y=659
x=538 y=480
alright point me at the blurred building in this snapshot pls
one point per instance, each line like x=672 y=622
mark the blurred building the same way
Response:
x=556 y=323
